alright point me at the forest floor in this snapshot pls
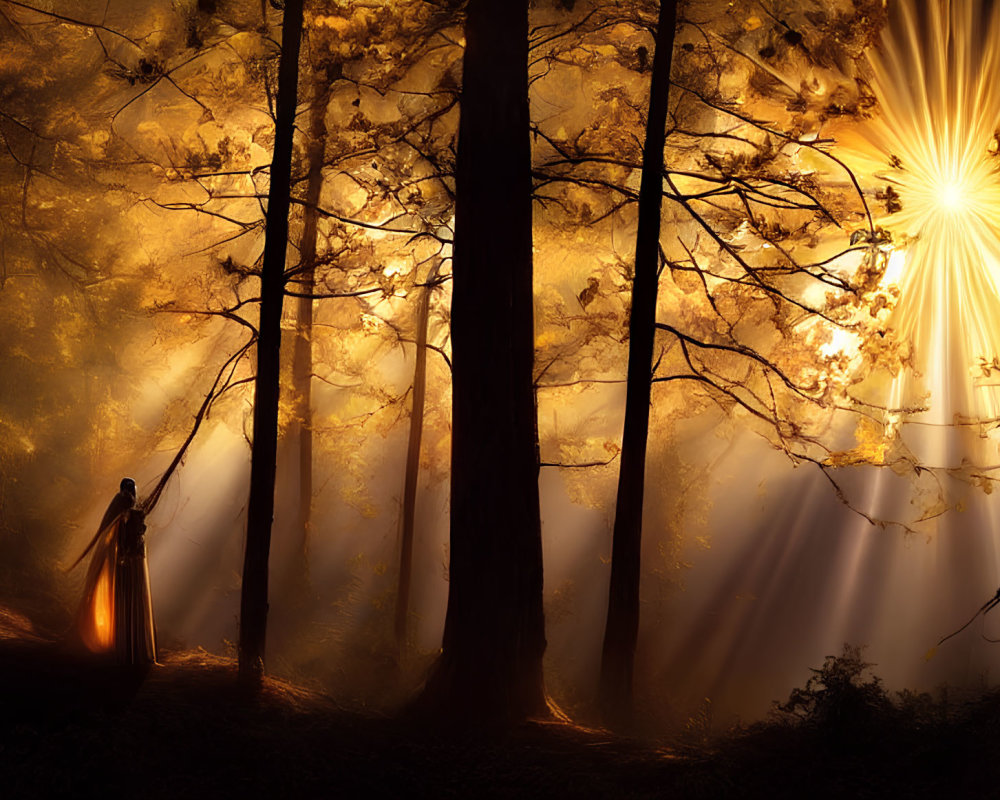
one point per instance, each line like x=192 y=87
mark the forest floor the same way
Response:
x=70 y=727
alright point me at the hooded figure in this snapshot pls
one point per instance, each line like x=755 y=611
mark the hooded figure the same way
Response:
x=116 y=613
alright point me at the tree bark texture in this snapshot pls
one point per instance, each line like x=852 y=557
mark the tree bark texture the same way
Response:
x=490 y=668
x=260 y=511
x=622 y=626
x=418 y=397
x=302 y=356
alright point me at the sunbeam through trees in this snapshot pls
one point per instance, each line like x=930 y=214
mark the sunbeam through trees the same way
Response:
x=490 y=363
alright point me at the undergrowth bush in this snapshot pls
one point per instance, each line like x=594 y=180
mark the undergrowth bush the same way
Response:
x=843 y=700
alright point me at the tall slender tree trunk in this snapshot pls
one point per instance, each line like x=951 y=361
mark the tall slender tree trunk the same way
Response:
x=418 y=396
x=490 y=667
x=260 y=512
x=622 y=627
x=302 y=357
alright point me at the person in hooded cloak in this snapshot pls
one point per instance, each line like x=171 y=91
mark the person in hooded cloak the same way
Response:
x=115 y=616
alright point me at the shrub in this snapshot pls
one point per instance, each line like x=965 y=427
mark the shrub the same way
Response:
x=843 y=700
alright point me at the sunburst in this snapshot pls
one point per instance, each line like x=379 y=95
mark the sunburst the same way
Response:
x=937 y=80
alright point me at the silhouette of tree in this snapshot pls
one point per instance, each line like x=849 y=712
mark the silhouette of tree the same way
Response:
x=490 y=667
x=253 y=604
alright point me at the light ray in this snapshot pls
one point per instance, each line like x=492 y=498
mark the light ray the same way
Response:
x=935 y=77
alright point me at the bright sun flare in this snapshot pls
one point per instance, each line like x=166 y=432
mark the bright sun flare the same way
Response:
x=935 y=77
x=952 y=196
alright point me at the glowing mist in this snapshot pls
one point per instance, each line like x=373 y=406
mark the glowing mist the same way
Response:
x=790 y=576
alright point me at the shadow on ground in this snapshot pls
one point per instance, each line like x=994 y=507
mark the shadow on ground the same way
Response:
x=77 y=727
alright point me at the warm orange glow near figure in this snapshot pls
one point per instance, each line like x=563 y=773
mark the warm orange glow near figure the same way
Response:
x=103 y=612
x=96 y=620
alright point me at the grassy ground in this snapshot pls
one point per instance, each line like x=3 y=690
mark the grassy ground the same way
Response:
x=72 y=727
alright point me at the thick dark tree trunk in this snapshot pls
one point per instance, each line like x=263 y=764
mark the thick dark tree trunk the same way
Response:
x=302 y=358
x=260 y=512
x=622 y=626
x=490 y=668
x=418 y=396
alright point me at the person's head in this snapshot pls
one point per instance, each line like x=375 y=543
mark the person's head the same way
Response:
x=127 y=486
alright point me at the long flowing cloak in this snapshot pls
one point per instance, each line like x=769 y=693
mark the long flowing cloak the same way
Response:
x=95 y=619
x=135 y=634
x=116 y=613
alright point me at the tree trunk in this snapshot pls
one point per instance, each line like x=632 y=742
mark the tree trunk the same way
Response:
x=413 y=459
x=260 y=512
x=490 y=668
x=302 y=358
x=622 y=627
